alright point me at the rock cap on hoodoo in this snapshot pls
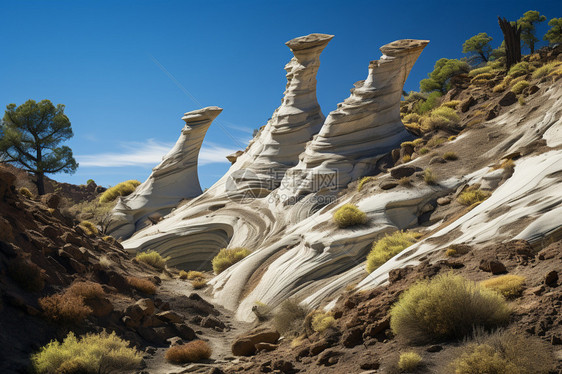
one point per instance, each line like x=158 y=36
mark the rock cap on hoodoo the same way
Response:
x=208 y=113
x=308 y=41
x=403 y=46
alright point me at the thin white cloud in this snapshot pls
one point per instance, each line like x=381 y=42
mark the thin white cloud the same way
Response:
x=149 y=154
x=246 y=130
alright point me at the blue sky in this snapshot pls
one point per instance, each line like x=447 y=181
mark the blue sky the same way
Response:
x=128 y=70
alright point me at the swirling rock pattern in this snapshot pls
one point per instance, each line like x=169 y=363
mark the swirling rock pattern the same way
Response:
x=174 y=179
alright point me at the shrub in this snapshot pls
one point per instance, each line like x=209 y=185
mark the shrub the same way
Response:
x=519 y=87
x=429 y=176
x=406 y=158
x=193 y=351
x=452 y=137
x=183 y=274
x=435 y=141
x=362 y=182
x=409 y=361
x=192 y=274
x=519 y=69
x=483 y=77
x=405 y=181
x=451 y=104
x=26 y=274
x=423 y=151
x=545 y=70
x=152 y=258
x=503 y=353
x=90 y=181
x=109 y=239
x=25 y=192
x=142 y=285
x=389 y=246
x=228 y=257
x=86 y=290
x=508 y=285
x=406 y=144
x=431 y=102
x=412 y=117
x=198 y=283
x=472 y=196
x=450 y=156
x=322 y=321
x=65 y=308
x=508 y=165
x=288 y=320
x=349 y=215
x=417 y=142
x=484 y=69
x=89 y=228
x=122 y=189
x=92 y=353
x=447 y=306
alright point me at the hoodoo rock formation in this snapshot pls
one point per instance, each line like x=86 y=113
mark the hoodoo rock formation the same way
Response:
x=174 y=179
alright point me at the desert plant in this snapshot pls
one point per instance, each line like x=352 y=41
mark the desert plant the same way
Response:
x=411 y=117
x=228 y=257
x=193 y=274
x=409 y=361
x=423 y=151
x=349 y=215
x=64 y=308
x=288 y=320
x=122 y=189
x=472 y=196
x=24 y=191
x=193 y=351
x=26 y=274
x=89 y=354
x=544 y=70
x=484 y=69
x=152 y=258
x=322 y=321
x=142 y=285
x=85 y=289
x=503 y=353
x=508 y=285
x=405 y=182
x=519 y=69
x=429 y=176
x=447 y=306
x=450 y=156
x=451 y=104
x=406 y=158
x=89 y=228
x=435 y=141
x=362 y=183
x=182 y=274
x=519 y=87
x=389 y=246
x=198 y=283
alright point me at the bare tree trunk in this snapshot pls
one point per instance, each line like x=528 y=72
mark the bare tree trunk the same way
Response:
x=40 y=183
x=512 y=37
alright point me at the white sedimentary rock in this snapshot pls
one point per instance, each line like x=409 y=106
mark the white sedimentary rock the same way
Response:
x=174 y=179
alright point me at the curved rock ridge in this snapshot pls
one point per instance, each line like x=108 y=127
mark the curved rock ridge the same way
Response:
x=174 y=179
x=361 y=130
x=278 y=144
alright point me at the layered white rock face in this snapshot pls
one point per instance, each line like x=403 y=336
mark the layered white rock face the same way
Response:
x=174 y=179
x=277 y=146
x=362 y=129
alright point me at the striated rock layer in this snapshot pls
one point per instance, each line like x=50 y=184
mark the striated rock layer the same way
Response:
x=174 y=179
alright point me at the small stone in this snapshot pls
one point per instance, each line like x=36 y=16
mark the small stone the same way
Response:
x=508 y=99
x=370 y=365
x=492 y=266
x=266 y=347
x=443 y=201
x=388 y=185
x=403 y=171
x=352 y=337
x=551 y=278
x=170 y=316
x=434 y=348
x=146 y=306
x=243 y=347
x=466 y=104
x=283 y=366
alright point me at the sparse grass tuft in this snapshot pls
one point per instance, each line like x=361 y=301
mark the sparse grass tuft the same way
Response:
x=322 y=321
x=509 y=285
x=447 y=306
x=288 y=320
x=198 y=283
x=109 y=239
x=122 y=189
x=519 y=69
x=349 y=215
x=472 y=196
x=92 y=353
x=482 y=70
x=193 y=351
x=182 y=274
x=405 y=182
x=412 y=117
x=519 y=87
x=451 y=104
x=409 y=361
x=389 y=246
x=503 y=353
x=362 y=183
x=142 y=285
x=429 y=177
x=26 y=274
x=25 y=192
x=152 y=258
x=193 y=274
x=435 y=141
x=544 y=70
x=89 y=228
x=423 y=151
x=450 y=156
x=228 y=257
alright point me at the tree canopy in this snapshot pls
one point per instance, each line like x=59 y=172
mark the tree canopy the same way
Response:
x=527 y=23
x=441 y=75
x=30 y=137
x=554 y=35
x=479 y=47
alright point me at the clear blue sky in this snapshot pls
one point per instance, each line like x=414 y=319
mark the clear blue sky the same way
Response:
x=119 y=66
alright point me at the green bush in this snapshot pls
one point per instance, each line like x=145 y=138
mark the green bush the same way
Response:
x=482 y=70
x=440 y=118
x=90 y=181
x=508 y=285
x=519 y=69
x=91 y=353
x=431 y=102
x=228 y=257
x=122 y=189
x=349 y=215
x=409 y=361
x=503 y=353
x=152 y=258
x=389 y=246
x=519 y=87
x=447 y=306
